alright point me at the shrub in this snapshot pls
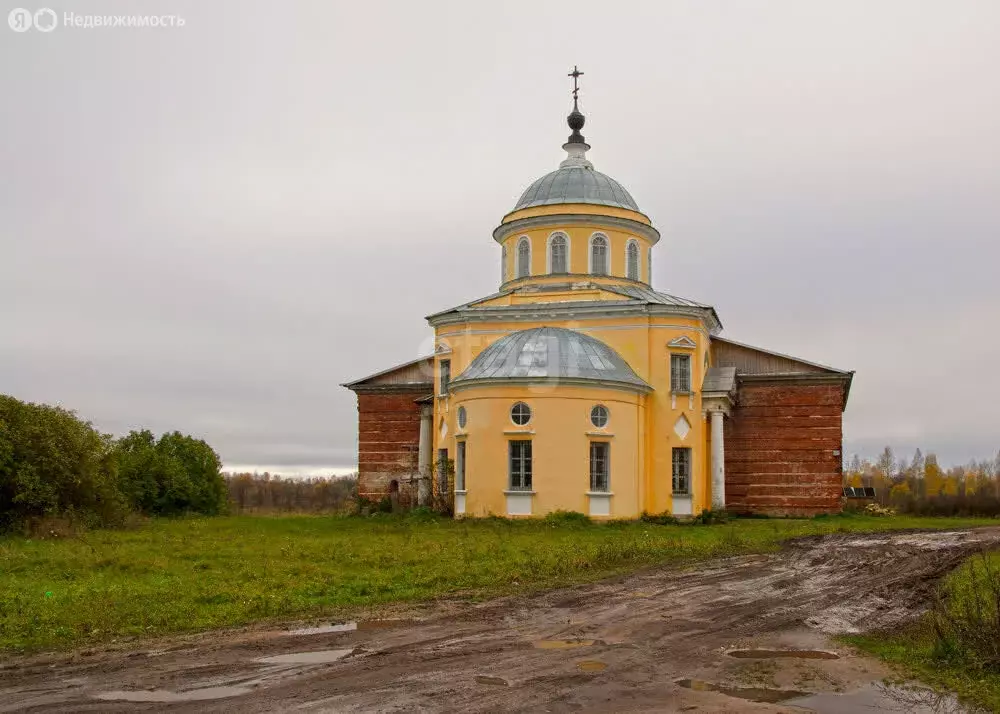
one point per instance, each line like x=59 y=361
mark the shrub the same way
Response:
x=967 y=616
x=174 y=474
x=54 y=464
x=708 y=517
x=659 y=519
x=567 y=518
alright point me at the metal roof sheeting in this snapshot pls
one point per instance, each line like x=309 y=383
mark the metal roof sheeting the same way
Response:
x=549 y=353
x=719 y=379
x=576 y=184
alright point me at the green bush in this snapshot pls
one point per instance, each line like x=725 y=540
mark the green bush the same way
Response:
x=175 y=474
x=55 y=465
x=567 y=517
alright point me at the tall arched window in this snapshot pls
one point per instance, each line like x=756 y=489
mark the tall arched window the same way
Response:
x=599 y=255
x=523 y=257
x=558 y=254
x=632 y=260
x=503 y=264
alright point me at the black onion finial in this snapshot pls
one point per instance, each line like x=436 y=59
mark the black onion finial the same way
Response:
x=576 y=119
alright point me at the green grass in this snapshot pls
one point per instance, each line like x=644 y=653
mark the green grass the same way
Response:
x=915 y=651
x=194 y=574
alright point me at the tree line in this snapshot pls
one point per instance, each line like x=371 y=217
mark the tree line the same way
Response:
x=270 y=493
x=55 y=464
x=920 y=485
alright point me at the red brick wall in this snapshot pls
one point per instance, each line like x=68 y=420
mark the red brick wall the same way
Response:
x=782 y=449
x=388 y=441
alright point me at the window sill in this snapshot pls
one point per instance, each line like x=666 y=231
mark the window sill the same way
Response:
x=682 y=392
x=519 y=493
x=600 y=493
x=519 y=432
x=601 y=434
x=460 y=492
x=681 y=495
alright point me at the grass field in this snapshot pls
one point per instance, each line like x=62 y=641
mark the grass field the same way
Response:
x=195 y=574
x=913 y=649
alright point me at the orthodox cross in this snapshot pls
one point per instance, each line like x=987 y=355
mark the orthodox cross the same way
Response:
x=574 y=74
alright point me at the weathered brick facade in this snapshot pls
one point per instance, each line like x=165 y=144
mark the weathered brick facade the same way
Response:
x=389 y=411
x=388 y=438
x=783 y=447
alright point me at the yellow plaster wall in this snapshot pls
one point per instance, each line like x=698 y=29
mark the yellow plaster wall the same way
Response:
x=561 y=432
x=563 y=209
x=579 y=241
x=642 y=342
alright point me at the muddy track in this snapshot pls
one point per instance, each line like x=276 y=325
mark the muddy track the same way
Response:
x=625 y=644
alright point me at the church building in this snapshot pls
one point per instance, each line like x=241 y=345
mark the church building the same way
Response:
x=577 y=386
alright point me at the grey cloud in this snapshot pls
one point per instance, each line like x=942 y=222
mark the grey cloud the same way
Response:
x=209 y=228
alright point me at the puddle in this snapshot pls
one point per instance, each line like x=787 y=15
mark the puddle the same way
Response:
x=751 y=694
x=591 y=665
x=486 y=679
x=317 y=657
x=164 y=695
x=768 y=654
x=882 y=698
x=353 y=626
x=562 y=644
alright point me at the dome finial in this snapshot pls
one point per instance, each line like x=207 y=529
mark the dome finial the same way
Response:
x=576 y=120
x=576 y=146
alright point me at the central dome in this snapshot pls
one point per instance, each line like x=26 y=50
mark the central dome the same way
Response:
x=550 y=354
x=576 y=184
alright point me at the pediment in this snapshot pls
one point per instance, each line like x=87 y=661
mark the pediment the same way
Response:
x=682 y=342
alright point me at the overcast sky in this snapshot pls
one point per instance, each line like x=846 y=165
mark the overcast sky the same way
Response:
x=210 y=227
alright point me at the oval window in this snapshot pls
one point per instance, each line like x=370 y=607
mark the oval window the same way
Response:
x=520 y=413
x=462 y=417
x=599 y=416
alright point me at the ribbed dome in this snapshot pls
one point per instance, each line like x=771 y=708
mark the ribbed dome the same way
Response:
x=550 y=354
x=576 y=184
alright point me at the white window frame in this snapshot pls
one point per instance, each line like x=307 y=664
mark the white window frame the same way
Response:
x=442 y=384
x=462 y=417
x=527 y=406
x=523 y=240
x=526 y=466
x=673 y=470
x=675 y=388
x=460 y=459
x=590 y=253
x=638 y=259
x=606 y=447
x=607 y=416
x=548 y=252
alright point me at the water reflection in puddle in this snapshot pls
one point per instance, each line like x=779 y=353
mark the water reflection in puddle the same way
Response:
x=317 y=657
x=882 y=698
x=562 y=644
x=359 y=626
x=768 y=654
x=164 y=695
x=751 y=694
x=486 y=679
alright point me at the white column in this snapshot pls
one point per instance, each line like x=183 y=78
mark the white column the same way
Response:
x=424 y=460
x=718 y=463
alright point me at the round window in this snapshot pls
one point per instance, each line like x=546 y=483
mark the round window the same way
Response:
x=599 y=416
x=520 y=413
x=462 y=417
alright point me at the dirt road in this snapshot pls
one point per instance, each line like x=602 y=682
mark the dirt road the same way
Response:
x=712 y=638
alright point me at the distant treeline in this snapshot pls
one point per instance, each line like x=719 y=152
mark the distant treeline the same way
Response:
x=55 y=465
x=268 y=493
x=920 y=486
